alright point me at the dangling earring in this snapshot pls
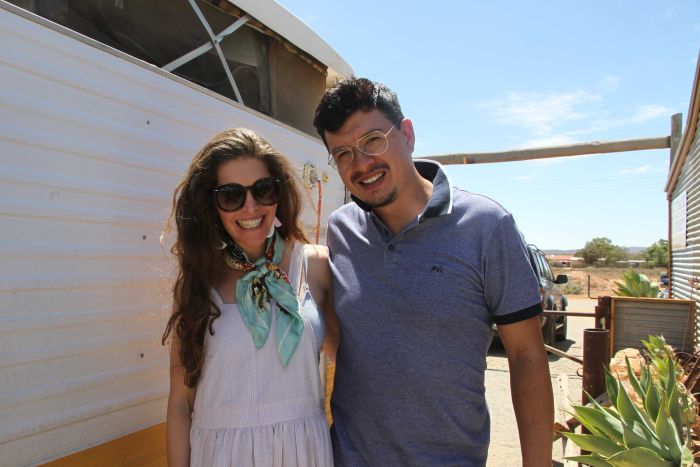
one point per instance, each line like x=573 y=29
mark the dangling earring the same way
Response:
x=274 y=225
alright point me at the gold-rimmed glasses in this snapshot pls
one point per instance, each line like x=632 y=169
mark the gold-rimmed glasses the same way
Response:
x=374 y=143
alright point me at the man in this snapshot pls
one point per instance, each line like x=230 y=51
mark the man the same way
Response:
x=421 y=269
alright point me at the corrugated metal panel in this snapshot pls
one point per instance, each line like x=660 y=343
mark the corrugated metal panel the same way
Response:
x=637 y=319
x=685 y=262
x=92 y=145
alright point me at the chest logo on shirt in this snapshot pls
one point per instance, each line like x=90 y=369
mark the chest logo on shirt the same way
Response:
x=437 y=268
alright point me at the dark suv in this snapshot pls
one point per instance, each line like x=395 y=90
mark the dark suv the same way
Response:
x=552 y=297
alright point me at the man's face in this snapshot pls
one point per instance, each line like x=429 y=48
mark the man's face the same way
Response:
x=377 y=180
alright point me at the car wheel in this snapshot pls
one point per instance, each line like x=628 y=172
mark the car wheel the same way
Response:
x=547 y=330
x=561 y=332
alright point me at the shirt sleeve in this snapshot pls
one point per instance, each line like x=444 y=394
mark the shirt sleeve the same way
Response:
x=510 y=285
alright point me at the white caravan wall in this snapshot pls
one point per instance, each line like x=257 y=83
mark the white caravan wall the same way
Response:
x=92 y=144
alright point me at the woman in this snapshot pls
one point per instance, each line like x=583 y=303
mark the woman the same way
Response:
x=244 y=382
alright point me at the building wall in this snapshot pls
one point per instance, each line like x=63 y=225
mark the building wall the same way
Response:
x=92 y=144
x=685 y=261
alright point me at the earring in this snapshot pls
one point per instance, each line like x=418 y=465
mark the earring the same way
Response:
x=274 y=225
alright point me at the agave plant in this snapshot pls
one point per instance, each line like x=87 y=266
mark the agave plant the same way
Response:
x=636 y=285
x=656 y=433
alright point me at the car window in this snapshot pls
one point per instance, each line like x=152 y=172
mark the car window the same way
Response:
x=547 y=269
x=543 y=266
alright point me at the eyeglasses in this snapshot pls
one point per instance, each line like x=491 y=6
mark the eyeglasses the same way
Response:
x=374 y=143
x=231 y=197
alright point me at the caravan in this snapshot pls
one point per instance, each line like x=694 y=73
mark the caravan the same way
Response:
x=102 y=105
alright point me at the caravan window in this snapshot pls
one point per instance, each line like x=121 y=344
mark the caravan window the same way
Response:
x=271 y=75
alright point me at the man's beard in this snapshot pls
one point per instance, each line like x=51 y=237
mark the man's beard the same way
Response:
x=387 y=200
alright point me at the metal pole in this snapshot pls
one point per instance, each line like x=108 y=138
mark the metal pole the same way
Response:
x=596 y=356
x=191 y=55
x=219 y=52
x=589 y=285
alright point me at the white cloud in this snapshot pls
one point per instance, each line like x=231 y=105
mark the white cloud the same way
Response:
x=541 y=113
x=524 y=177
x=636 y=170
x=644 y=113
x=641 y=114
x=610 y=82
x=556 y=140
x=565 y=118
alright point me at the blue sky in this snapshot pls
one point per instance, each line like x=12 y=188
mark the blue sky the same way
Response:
x=492 y=76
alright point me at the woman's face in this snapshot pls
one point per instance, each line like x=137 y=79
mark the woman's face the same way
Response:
x=249 y=225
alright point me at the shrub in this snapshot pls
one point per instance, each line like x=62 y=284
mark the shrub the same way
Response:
x=572 y=288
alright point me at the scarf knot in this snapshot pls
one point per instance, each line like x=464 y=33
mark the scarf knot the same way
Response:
x=263 y=282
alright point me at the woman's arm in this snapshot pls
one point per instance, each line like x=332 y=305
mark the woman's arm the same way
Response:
x=321 y=285
x=179 y=417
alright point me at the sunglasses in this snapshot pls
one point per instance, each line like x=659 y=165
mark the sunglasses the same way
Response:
x=231 y=197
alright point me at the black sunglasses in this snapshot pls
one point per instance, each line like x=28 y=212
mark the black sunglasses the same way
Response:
x=231 y=197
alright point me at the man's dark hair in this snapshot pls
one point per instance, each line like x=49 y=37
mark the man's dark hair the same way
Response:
x=350 y=95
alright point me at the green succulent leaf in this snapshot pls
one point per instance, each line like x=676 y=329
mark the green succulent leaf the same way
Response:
x=599 y=422
x=666 y=431
x=637 y=457
x=635 y=285
x=630 y=414
x=609 y=410
x=652 y=401
x=635 y=436
x=595 y=444
x=592 y=459
x=674 y=407
x=633 y=379
x=670 y=372
x=644 y=378
x=611 y=384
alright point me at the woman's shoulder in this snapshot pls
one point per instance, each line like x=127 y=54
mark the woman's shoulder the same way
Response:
x=317 y=252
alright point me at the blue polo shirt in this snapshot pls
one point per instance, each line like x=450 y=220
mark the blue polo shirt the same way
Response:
x=415 y=312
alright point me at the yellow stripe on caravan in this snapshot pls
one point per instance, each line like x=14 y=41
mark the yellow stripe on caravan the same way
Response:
x=145 y=448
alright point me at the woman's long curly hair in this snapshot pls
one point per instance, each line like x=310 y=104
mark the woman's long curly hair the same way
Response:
x=200 y=235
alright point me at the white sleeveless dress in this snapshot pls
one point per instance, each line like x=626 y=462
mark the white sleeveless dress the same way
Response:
x=248 y=409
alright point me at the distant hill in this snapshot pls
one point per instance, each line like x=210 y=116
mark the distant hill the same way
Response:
x=559 y=252
x=633 y=250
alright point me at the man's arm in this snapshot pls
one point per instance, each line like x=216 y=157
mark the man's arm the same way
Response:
x=531 y=389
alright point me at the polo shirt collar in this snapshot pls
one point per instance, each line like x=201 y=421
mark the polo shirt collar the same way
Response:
x=440 y=202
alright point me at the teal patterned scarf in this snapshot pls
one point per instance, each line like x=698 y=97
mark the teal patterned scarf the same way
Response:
x=264 y=281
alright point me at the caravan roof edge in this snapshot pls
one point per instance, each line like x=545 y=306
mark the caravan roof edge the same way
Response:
x=283 y=22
